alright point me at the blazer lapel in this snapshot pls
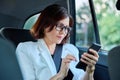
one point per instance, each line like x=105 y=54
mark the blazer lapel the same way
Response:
x=46 y=55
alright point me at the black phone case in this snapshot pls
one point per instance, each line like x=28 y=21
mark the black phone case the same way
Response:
x=94 y=46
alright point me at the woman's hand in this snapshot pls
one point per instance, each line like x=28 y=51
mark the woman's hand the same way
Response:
x=65 y=65
x=90 y=60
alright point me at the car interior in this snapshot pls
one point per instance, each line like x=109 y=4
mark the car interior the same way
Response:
x=113 y=60
x=7 y=33
x=13 y=16
x=9 y=67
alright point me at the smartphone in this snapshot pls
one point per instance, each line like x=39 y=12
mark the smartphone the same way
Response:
x=94 y=46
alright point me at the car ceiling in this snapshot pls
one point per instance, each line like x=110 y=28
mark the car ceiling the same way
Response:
x=23 y=8
x=13 y=12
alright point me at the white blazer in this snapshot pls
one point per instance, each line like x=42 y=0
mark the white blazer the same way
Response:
x=36 y=63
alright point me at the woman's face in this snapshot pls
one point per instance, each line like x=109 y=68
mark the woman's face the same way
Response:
x=58 y=33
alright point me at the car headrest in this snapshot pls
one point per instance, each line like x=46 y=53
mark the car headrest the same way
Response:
x=118 y=4
x=114 y=63
x=16 y=35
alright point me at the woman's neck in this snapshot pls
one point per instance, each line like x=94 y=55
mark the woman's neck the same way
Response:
x=51 y=46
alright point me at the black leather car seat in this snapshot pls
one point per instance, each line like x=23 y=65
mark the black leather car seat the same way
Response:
x=114 y=63
x=16 y=35
x=9 y=67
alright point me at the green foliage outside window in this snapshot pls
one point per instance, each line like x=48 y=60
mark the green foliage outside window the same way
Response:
x=108 y=22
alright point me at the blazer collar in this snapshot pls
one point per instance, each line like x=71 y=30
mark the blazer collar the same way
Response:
x=44 y=51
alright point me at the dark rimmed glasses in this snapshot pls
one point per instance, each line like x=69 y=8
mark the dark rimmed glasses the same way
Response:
x=61 y=27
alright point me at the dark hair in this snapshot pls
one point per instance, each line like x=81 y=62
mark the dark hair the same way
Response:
x=49 y=17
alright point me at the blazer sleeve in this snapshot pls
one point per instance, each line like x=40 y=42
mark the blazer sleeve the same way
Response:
x=25 y=62
x=71 y=49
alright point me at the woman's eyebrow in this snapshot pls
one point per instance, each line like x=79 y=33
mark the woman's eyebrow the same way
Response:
x=63 y=24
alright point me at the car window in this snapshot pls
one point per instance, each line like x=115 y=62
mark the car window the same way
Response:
x=108 y=18
x=84 y=24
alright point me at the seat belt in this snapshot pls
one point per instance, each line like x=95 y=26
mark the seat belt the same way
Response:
x=57 y=59
x=57 y=56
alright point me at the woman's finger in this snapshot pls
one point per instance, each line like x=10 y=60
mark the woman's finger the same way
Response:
x=87 y=60
x=95 y=53
x=93 y=57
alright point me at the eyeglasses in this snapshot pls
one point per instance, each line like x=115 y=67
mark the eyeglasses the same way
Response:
x=61 y=27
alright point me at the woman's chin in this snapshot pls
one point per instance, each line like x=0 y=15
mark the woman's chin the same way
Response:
x=58 y=42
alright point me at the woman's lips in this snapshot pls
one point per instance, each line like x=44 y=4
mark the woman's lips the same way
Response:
x=59 y=37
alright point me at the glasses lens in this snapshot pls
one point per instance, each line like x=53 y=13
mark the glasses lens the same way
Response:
x=62 y=27
x=58 y=28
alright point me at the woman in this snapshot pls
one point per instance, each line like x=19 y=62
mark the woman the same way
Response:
x=36 y=58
